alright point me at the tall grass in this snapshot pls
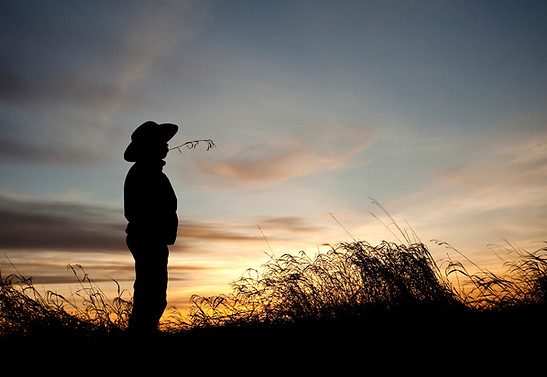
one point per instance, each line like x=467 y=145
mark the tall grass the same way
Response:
x=521 y=283
x=27 y=312
x=349 y=282
x=356 y=281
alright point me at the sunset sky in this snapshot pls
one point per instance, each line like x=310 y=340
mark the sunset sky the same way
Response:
x=437 y=109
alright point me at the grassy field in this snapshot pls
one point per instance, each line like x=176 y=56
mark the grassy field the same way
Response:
x=384 y=291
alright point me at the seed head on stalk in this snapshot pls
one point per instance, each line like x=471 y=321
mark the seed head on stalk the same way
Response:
x=193 y=144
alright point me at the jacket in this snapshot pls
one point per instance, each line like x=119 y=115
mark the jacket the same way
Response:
x=150 y=204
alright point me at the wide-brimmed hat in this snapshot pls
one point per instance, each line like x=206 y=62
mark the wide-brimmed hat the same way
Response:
x=147 y=134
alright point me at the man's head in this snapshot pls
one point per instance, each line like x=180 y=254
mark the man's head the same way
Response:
x=149 y=141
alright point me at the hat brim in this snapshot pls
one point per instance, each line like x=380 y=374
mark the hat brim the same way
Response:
x=162 y=133
x=167 y=131
x=131 y=152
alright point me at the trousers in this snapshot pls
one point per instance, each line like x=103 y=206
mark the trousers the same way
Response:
x=150 y=287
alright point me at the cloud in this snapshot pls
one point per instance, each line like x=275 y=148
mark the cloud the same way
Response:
x=70 y=74
x=278 y=228
x=151 y=39
x=61 y=56
x=29 y=224
x=53 y=152
x=267 y=163
x=103 y=270
x=291 y=224
x=53 y=87
x=511 y=175
x=211 y=231
x=499 y=194
x=34 y=224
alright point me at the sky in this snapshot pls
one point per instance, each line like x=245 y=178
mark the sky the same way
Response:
x=436 y=109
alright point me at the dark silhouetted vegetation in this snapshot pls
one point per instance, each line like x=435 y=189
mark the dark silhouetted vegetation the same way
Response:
x=352 y=283
x=24 y=311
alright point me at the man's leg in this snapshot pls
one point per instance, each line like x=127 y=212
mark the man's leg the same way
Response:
x=150 y=288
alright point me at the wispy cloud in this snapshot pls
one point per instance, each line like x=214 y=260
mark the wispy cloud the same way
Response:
x=211 y=231
x=292 y=224
x=151 y=36
x=256 y=165
x=200 y=237
x=499 y=194
x=61 y=102
x=511 y=175
x=30 y=224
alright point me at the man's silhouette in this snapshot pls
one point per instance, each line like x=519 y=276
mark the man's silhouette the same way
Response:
x=150 y=206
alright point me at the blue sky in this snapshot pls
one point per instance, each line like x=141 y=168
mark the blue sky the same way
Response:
x=434 y=108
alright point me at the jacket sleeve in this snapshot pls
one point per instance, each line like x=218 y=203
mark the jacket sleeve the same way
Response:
x=169 y=216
